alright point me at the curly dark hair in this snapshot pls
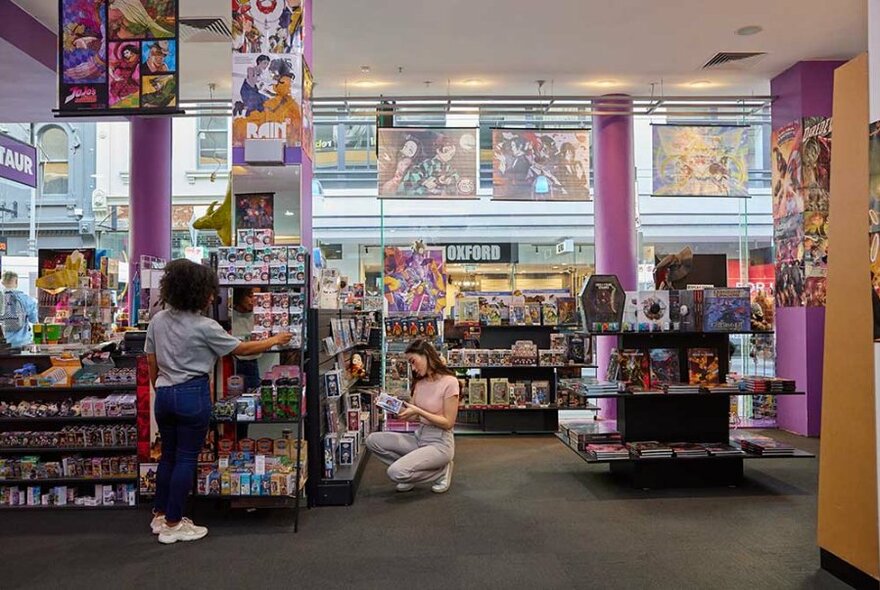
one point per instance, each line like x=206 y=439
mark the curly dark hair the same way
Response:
x=188 y=286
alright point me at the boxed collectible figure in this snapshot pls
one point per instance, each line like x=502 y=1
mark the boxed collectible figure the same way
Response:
x=653 y=312
x=478 y=392
x=389 y=403
x=500 y=392
x=346 y=451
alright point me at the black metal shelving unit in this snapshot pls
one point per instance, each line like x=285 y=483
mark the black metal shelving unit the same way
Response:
x=679 y=418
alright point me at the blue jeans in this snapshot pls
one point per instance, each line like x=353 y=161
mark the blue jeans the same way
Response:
x=183 y=413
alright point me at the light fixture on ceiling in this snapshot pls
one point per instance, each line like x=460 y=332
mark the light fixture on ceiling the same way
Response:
x=473 y=82
x=700 y=84
x=365 y=69
x=749 y=30
x=368 y=83
x=603 y=83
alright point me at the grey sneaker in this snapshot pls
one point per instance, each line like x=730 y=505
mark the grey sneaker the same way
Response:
x=157 y=523
x=405 y=487
x=441 y=486
x=185 y=530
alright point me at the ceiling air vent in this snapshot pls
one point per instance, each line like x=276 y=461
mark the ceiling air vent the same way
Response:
x=204 y=30
x=734 y=60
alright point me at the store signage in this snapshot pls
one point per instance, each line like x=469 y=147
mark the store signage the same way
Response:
x=478 y=253
x=18 y=161
x=565 y=246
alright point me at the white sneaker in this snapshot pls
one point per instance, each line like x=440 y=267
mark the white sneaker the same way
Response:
x=405 y=487
x=157 y=523
x=185 y=530
x=442 y=485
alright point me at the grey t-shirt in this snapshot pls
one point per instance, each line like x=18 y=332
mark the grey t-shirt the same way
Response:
x=186 y=345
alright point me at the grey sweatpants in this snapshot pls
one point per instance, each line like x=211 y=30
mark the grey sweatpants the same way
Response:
x=414 y=459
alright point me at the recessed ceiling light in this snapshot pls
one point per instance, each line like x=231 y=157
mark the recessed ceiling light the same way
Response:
x=603 y=83
x=472 y=82
x=749 y=30
x=368 y=83
x=700 y=84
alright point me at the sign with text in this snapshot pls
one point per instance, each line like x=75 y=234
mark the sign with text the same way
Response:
x=479 y=253
x=18 y=161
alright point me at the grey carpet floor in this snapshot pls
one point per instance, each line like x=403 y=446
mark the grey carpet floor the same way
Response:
x=523 y=512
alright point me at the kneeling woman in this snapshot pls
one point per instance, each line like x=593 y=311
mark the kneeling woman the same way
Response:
x=427 y=456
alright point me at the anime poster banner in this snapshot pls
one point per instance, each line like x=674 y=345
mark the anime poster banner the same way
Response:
x=701 y=161
x=785 y=165
x=254 y=211
x=874 y=179
x=118 y=56
x=267 y=26
x=531 y=165
x=415 y=279
x=428 y=163
x=815 y=152
x=308 y=120
x=267 y=98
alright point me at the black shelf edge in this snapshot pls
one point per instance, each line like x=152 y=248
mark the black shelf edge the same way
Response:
x=262 y=285
x=519 y=327
x=60 y=419
x=461 y=367
x=102 y=388
x=515 y=408
x=71 y=507
x=675 y=333
x=349 y=472
x=56 y=450
x=684 y=395
x=67 y=480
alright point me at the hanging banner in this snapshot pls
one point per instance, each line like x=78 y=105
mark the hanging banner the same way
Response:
x=118 y=57
x=815 y=189
x=531 y=165
x=874 y=215
x=415 y=279
x=701 y=161
x=18 y=161
x=267 y=71
x=428 y=163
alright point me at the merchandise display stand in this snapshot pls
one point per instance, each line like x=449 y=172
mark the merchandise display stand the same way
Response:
x=678 y=418
x=332 y=481
x=517 y=420
x=67 y=462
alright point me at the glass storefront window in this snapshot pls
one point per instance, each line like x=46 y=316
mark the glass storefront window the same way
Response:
x=54 y=165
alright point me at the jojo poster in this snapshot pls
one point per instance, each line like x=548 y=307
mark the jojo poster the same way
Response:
x=415 y=279
x=118 y=56
x=267 y=97
x=785 y=165
x=428 y=163
x=535 y=165
x=255 y=211
x=701 y=161
x=267 y=26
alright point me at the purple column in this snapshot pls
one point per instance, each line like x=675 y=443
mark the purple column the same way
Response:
x=614 y=207
x=804 y=90
x=305 y=209
x=149 y=225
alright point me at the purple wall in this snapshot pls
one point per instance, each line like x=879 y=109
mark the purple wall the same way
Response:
x=615 y=222
x=150 y=202
x=27 y=34
x=804 y=90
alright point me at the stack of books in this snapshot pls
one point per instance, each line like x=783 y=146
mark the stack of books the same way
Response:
x=682 y=388
x=610 y=452
x=769 y=385
x=582 y=434
x=726 y=389
x=764 y=446
x=650 y=450
x=723 y=450
x=685 y=449
x=601 y=388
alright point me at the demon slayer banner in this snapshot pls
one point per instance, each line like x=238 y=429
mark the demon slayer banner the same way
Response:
x=415 y=279
x=701 y=161
x=118 y=56
x=267 y=97
x=534 y=165
x=427 y=163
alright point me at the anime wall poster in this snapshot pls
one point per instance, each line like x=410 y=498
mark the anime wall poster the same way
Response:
x=785 y=166
x=308 y=131
x=125 y=75
x=255 y=211
x=427 y=163
x=874 y=171
x=701 y=160
x=534 y=165
x=267 y=26
x=267 y=97
x=415 y=279
x=118 y=56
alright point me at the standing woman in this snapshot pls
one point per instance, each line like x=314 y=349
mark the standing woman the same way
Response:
x=182 y=347
x=427 y=456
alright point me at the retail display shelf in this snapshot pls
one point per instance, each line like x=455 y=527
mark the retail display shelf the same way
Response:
x=66 y=419
x=516 y=408
x=70 y=507
x=462 y=367
x=521 y=327
x=656 y=394
x=674 y=333
x=56 y=450
x=350 y=472
x=261 y=286
x=99 y=387
x=292 y=420
x=65 y=480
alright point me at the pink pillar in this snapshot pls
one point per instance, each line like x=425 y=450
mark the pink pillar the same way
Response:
x=804 y=90
x=614 y=207
x=149 y=225
x=305 y=210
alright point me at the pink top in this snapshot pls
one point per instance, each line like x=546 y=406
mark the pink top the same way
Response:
x=429 y=395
